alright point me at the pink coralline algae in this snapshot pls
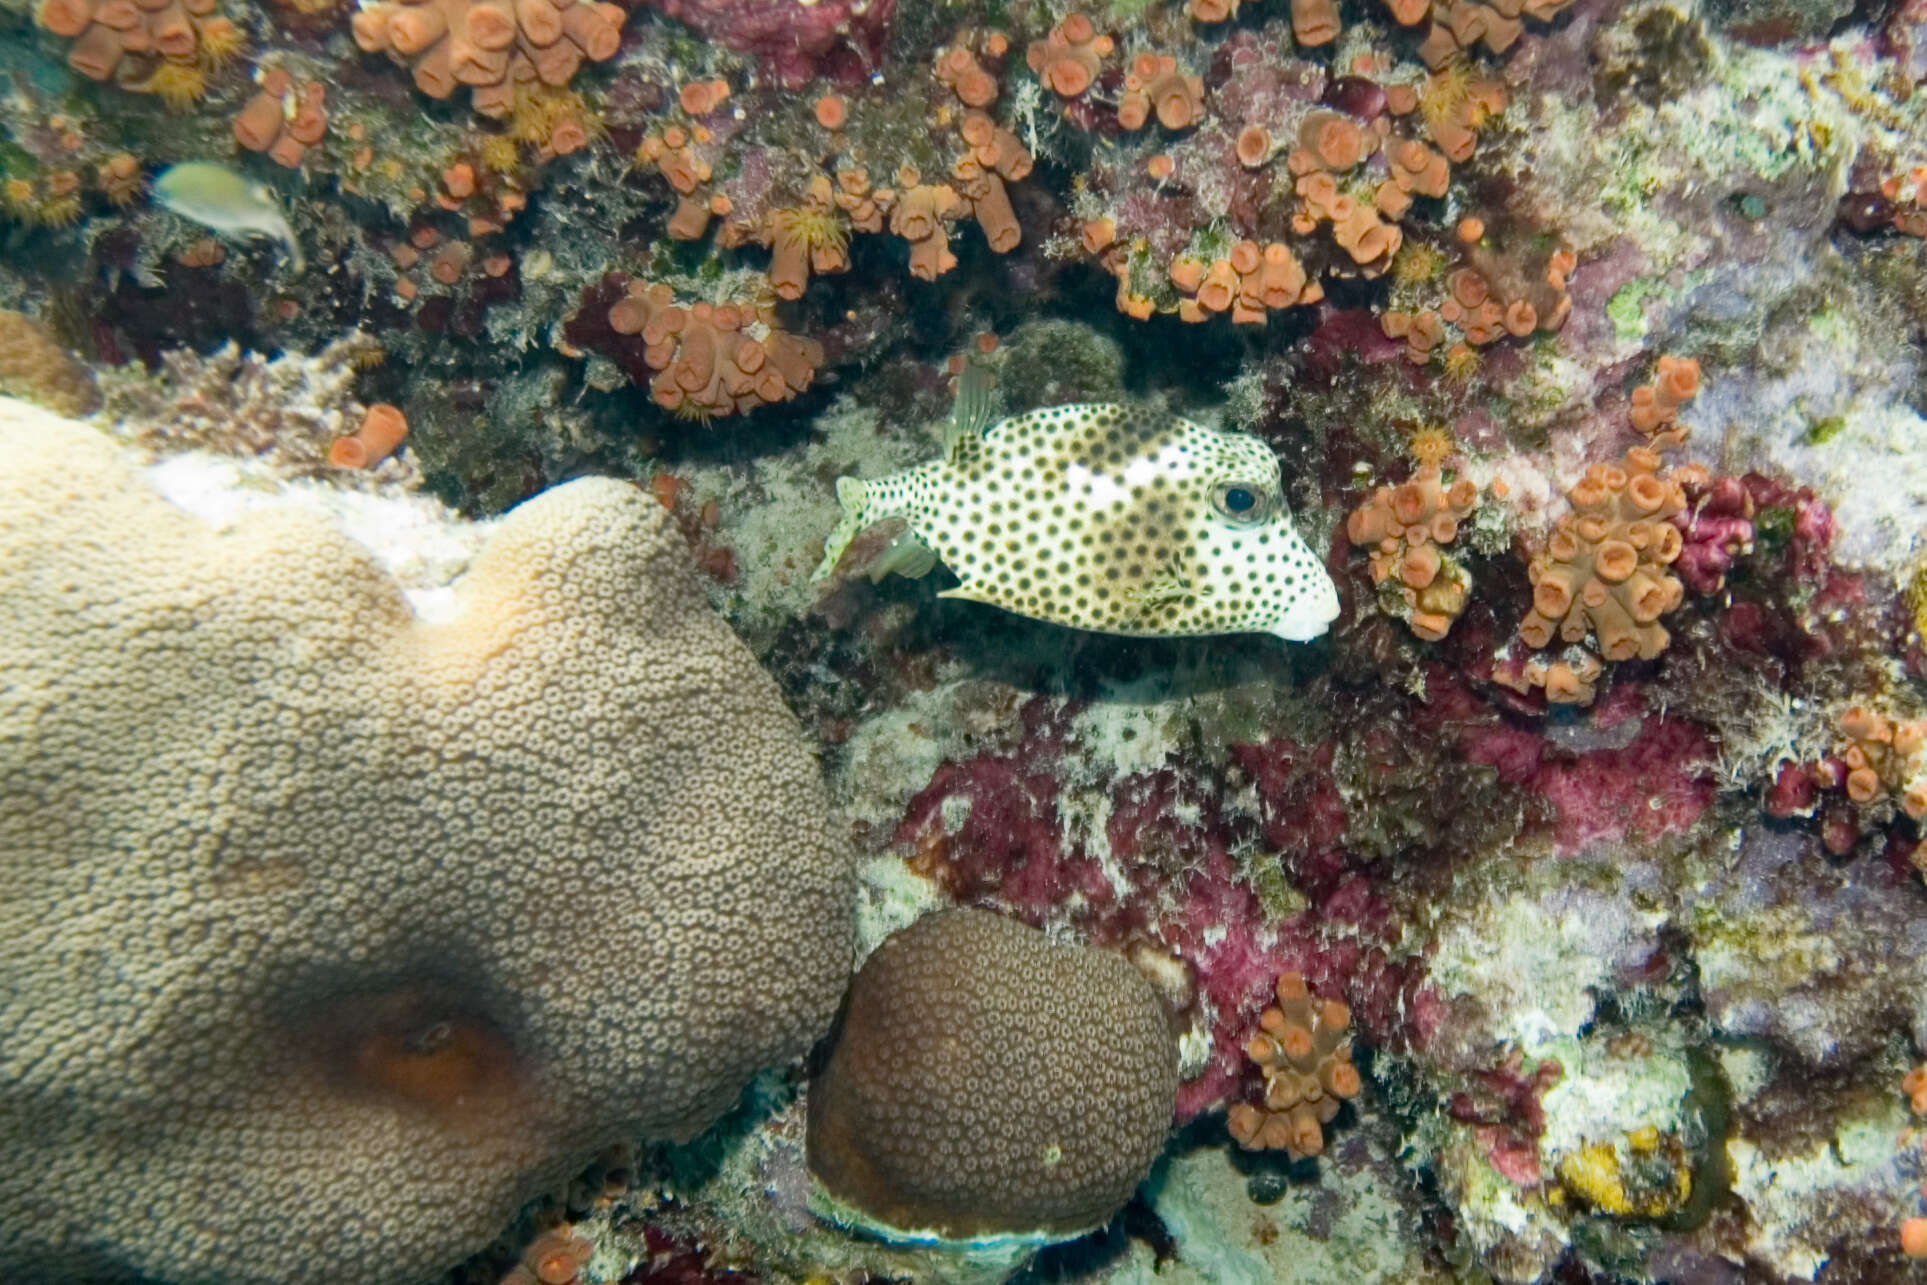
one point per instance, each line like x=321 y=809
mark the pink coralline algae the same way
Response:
x=1658 y=784
x=1716 y=526
x=793 y=38
x=1503 y=1106
x=1797 y=602
x=1181 y=891
x=1653 y=778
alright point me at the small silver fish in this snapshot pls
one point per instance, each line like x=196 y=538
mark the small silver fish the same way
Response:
x=1101 y=517
x=229 y=203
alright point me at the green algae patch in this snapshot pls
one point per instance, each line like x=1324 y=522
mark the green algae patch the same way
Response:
x=1627 y=310
x=1821 y=431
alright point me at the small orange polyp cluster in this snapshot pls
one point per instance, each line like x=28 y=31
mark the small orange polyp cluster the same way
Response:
x=1155 y=86
x=1330 y=144
x=713 y=359
x=556 y=1257
x=701 y=97
x=811 y=237
x=1604 y=569
x=1908 y=193
x=488 y=199
x=922 y=216
x=1330 y=141
x=1068 y=60
x=1655 y=406
x=282 y=119
x=383 y=429
x=1480 y=312
x=1417 y=170
x=672 y=153
x=1472 y=306
x=1913 y=1231
x=993 y=156
x=120 y=179
x=1406 y=528
x=1454 y=102
x=1360 y=232
x=963 y=75
x=159 y=46
x=1246 y=283
x=1458 y=25
x=1570 y=678
x=981 y=180
x=1421 y=331
x=555 y=122
x=1914 y=1085
x=492 y=46
x=1314 y=22
x=1303 y=1047
x=864 y=205
x=53 y=201
x=1253 y=146
x=1885 y=759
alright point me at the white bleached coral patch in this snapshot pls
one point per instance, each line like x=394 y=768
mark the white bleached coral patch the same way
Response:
x=418 y=540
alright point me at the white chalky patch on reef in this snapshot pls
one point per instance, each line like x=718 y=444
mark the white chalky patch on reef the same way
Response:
x=415 y=538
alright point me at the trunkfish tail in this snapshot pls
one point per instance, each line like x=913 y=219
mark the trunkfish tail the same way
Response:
x=853 y=495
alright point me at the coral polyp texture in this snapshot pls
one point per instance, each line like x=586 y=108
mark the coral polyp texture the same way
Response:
x=1303 y=1048
x=985 y=1080
x=1878 y=759
x=283 y=119
x=1604 y=575
x=1406 y=530
x=362 y=1000
x=491 y=46
x=167 y=48
x=709 y=359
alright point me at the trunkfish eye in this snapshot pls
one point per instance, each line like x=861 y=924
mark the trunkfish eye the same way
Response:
x=1239 y=502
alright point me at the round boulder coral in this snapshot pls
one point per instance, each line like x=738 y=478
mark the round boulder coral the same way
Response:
x=985 y=1080
x=333 y=934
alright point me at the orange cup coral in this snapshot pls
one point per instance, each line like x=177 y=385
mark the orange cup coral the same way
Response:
x=1067 y=61
x=1603 y=571
x=1303 y=1047
x=1154 y=85
x=383 y=429
x=1405 y=529
x=490 y=45
x=713 y=360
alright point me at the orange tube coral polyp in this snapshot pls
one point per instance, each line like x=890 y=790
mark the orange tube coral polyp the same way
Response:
x=382 y=430
x=1615 y=561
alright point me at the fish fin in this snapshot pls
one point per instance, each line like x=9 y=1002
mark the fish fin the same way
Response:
x=972 y=593
x=284 y=233
x=1152 y=596
x=852 y=494
x=972 y=412
x=907 y=556
x=1160 y=591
